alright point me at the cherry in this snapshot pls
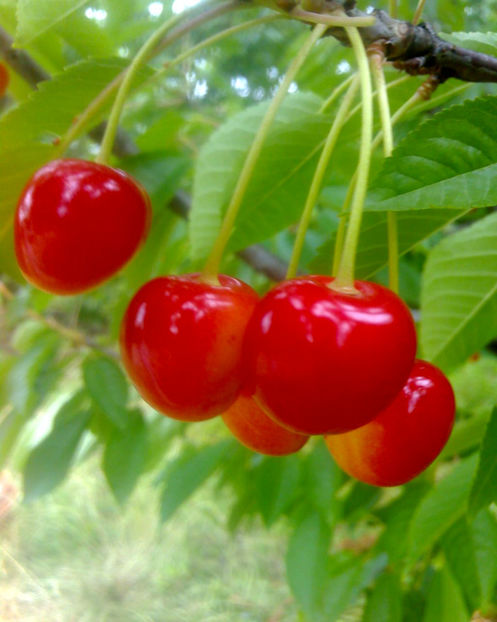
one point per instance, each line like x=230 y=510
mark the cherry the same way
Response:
x=326 y=361
x=254 y=429
x=181 y=343
x=406 y=437
x=4 y=79
x=77 y=223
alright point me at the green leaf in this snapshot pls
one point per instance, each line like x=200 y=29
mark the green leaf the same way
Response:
x=30 y=371
x=484 y=42
x=449 y=161
x=277 y=486
x=459 y=294
x=385 y=600
x=49 y=462
x=459 y=550
x=484 y=489
x=343 y=586
x=441 y=508
x=306 y=561
x=322 y=479
x=279 y=185
x=398 y=516
x=185 y=474
x=108 y=388
x=484 y=533
x=124 y=456
x=445 y=602
x=37 y=17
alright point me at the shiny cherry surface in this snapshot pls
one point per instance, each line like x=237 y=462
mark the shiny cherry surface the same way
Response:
x=77 y=223
x=181 y=343
x=4 y=79
x=254 y=429
x=406 y=437
x=326 y=361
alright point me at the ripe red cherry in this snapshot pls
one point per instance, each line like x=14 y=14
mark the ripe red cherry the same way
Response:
x=406 y=437
x=77 y=223
x=327 y=361
x=4 y=79
x=181 y=343
x=254 y=429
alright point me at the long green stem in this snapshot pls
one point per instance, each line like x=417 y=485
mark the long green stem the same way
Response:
x=337 y=92
x=340 y=20
x=419 y=11
x=345 y=275
x=318 y=176
x=212 y=265
x=139 y=59
x=392 y=7
x=377 y=59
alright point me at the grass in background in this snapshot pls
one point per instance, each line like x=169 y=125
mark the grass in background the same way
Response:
x=76 y=556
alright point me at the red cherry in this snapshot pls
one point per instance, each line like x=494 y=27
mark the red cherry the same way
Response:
x=406 y=437
x=77 y=223
x=181 y=343
x=4 y=79
x=254 y=429
x=327 y=361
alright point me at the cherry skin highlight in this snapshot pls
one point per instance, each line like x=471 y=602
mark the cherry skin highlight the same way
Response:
x=77 y=223
x=406 y=437
x=4 y=79
x=326 y=361
x=181 y=343
x=254 y=429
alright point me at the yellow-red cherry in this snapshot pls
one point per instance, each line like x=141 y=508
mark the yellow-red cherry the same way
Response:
x=181 y=343
x=253 y=428
x=323 y=360
x=406 y=437
x=77 y=223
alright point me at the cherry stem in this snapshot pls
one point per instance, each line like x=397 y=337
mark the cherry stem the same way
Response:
x=337 y=92
x=340 y=20
x=104 y=96
x=211 y=268
x=319 y=173
x=345 y=274
x=419 y=11
x=376 y=60
x=422 y=93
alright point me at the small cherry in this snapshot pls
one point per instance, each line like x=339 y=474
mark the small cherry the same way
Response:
x=77 y=223
x=254 y=429
x=406 y=437
x=324 y=360
x=181 y=343
x=4 y=79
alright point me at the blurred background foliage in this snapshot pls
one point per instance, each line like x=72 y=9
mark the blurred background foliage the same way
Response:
x=131 y=516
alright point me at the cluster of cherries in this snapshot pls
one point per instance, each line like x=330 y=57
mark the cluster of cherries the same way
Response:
x=308 y=358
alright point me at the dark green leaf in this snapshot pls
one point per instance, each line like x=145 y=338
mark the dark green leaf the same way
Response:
x=441 y=508
x=277 y=482
x=322 y=479
x=484 y=532
x=449 y=161
x=484 y=489
x=49 y=462
x=124 y=456
x=459 y=549
x=385 y=600
x=108 y=388
x=445 y=602
x=187 y=473
x=306 y=561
